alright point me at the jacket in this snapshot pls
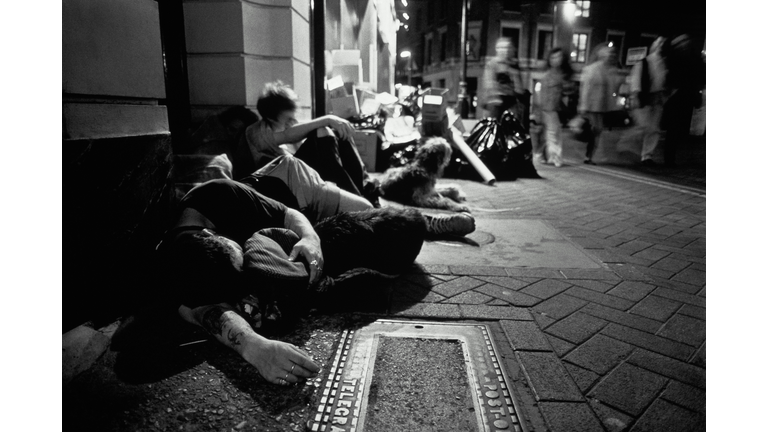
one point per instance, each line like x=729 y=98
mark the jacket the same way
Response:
x=598 y=84
x=554 y=86
x=501 y=78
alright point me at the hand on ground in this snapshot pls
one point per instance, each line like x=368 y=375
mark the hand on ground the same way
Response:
x=280 y=362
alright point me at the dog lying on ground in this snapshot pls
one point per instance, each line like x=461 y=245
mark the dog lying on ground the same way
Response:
x=416 y=183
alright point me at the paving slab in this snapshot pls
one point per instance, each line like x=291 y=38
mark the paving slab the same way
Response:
x=613 y=420
x=508 y=295
x=629 y=388
x=584 y=378
x=623 y=318
x=546 y=288
x=505 y=281
x=560 y=306
x=576 y=328
x=548 y=378
x=648 y=341
x=525 y=336
x=668 y=367
x=457 y=286
x=570 y=417
x=663 y=416
x=631 y=290
x=603 y=299
x=509 y=243
x=656 y=308
x=599 y=354
x=690 y=331
x=690 y=397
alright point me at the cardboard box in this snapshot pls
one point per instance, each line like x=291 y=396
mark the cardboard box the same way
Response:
x=345 y=107
x=367 y=143
x=434 y=104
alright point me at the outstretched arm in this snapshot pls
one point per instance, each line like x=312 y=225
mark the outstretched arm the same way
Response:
x=278 y=362
x=300 y=131
x=309 y=245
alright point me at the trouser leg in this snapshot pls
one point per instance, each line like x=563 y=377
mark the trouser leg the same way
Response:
x=323 y=155
x=554 y=145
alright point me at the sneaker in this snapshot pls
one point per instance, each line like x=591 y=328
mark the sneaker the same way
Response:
x=459 y=224
x=589 y=162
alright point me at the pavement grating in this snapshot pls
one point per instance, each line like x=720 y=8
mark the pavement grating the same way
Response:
x=346 y=395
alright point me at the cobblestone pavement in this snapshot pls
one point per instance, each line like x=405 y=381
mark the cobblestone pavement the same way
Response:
x=615 y=349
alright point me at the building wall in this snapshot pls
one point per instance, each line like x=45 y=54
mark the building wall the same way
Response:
x=234 y=47
x=116 y=148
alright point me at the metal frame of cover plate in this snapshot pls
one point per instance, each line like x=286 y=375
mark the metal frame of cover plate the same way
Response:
x=344 y=399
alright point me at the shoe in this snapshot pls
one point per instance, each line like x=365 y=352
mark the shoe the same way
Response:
x=558 y=164
x=459 y=224
x=589 y=162
x=648 y=163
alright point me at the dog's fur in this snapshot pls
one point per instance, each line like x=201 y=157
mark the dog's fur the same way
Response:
x=386 y=239
x=416 y=183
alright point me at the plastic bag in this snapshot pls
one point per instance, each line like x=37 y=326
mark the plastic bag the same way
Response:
x=504 y=147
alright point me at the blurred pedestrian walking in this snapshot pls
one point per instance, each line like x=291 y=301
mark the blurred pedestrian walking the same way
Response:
x=648 y=85
x=600 y=82
x=556 y=84
x=501 y=82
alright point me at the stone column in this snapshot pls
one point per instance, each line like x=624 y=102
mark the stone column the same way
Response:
x=234 y=47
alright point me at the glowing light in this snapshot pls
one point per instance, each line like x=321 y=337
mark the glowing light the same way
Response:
x=569 y=11
x=406 y=16
x=404 y=2
x=610 y=44
x=538 y=86
x=405 y=54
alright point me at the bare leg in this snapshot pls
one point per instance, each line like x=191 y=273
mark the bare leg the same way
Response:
x=278 y=362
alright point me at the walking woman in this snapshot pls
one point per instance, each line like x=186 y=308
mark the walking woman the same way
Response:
x=555 y=85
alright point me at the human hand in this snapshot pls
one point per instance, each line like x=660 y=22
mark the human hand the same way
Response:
x=309 y=249
x=342 y=127
x=279 y=362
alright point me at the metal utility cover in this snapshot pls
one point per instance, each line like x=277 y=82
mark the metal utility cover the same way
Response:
x=344 y=399
x=510 y=243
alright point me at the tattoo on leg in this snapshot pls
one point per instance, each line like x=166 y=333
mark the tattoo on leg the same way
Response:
x=213 y=320
x=233 y=336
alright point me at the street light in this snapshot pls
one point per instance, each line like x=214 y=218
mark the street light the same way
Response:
x=569 y=11
x=405 y=54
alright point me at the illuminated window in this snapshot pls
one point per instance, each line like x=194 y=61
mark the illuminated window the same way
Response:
x=582 y=8
x=579 y=49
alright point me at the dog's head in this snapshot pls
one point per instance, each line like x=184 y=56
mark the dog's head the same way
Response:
x=434 y=155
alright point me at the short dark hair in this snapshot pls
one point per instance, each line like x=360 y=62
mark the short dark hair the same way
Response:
x=205 y=269
x=275 y=99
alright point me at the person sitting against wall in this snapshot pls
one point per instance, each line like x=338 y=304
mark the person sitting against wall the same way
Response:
x=326 y=143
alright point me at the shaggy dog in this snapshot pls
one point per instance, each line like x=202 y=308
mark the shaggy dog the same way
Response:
x=415 y=183
x=386 y=240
